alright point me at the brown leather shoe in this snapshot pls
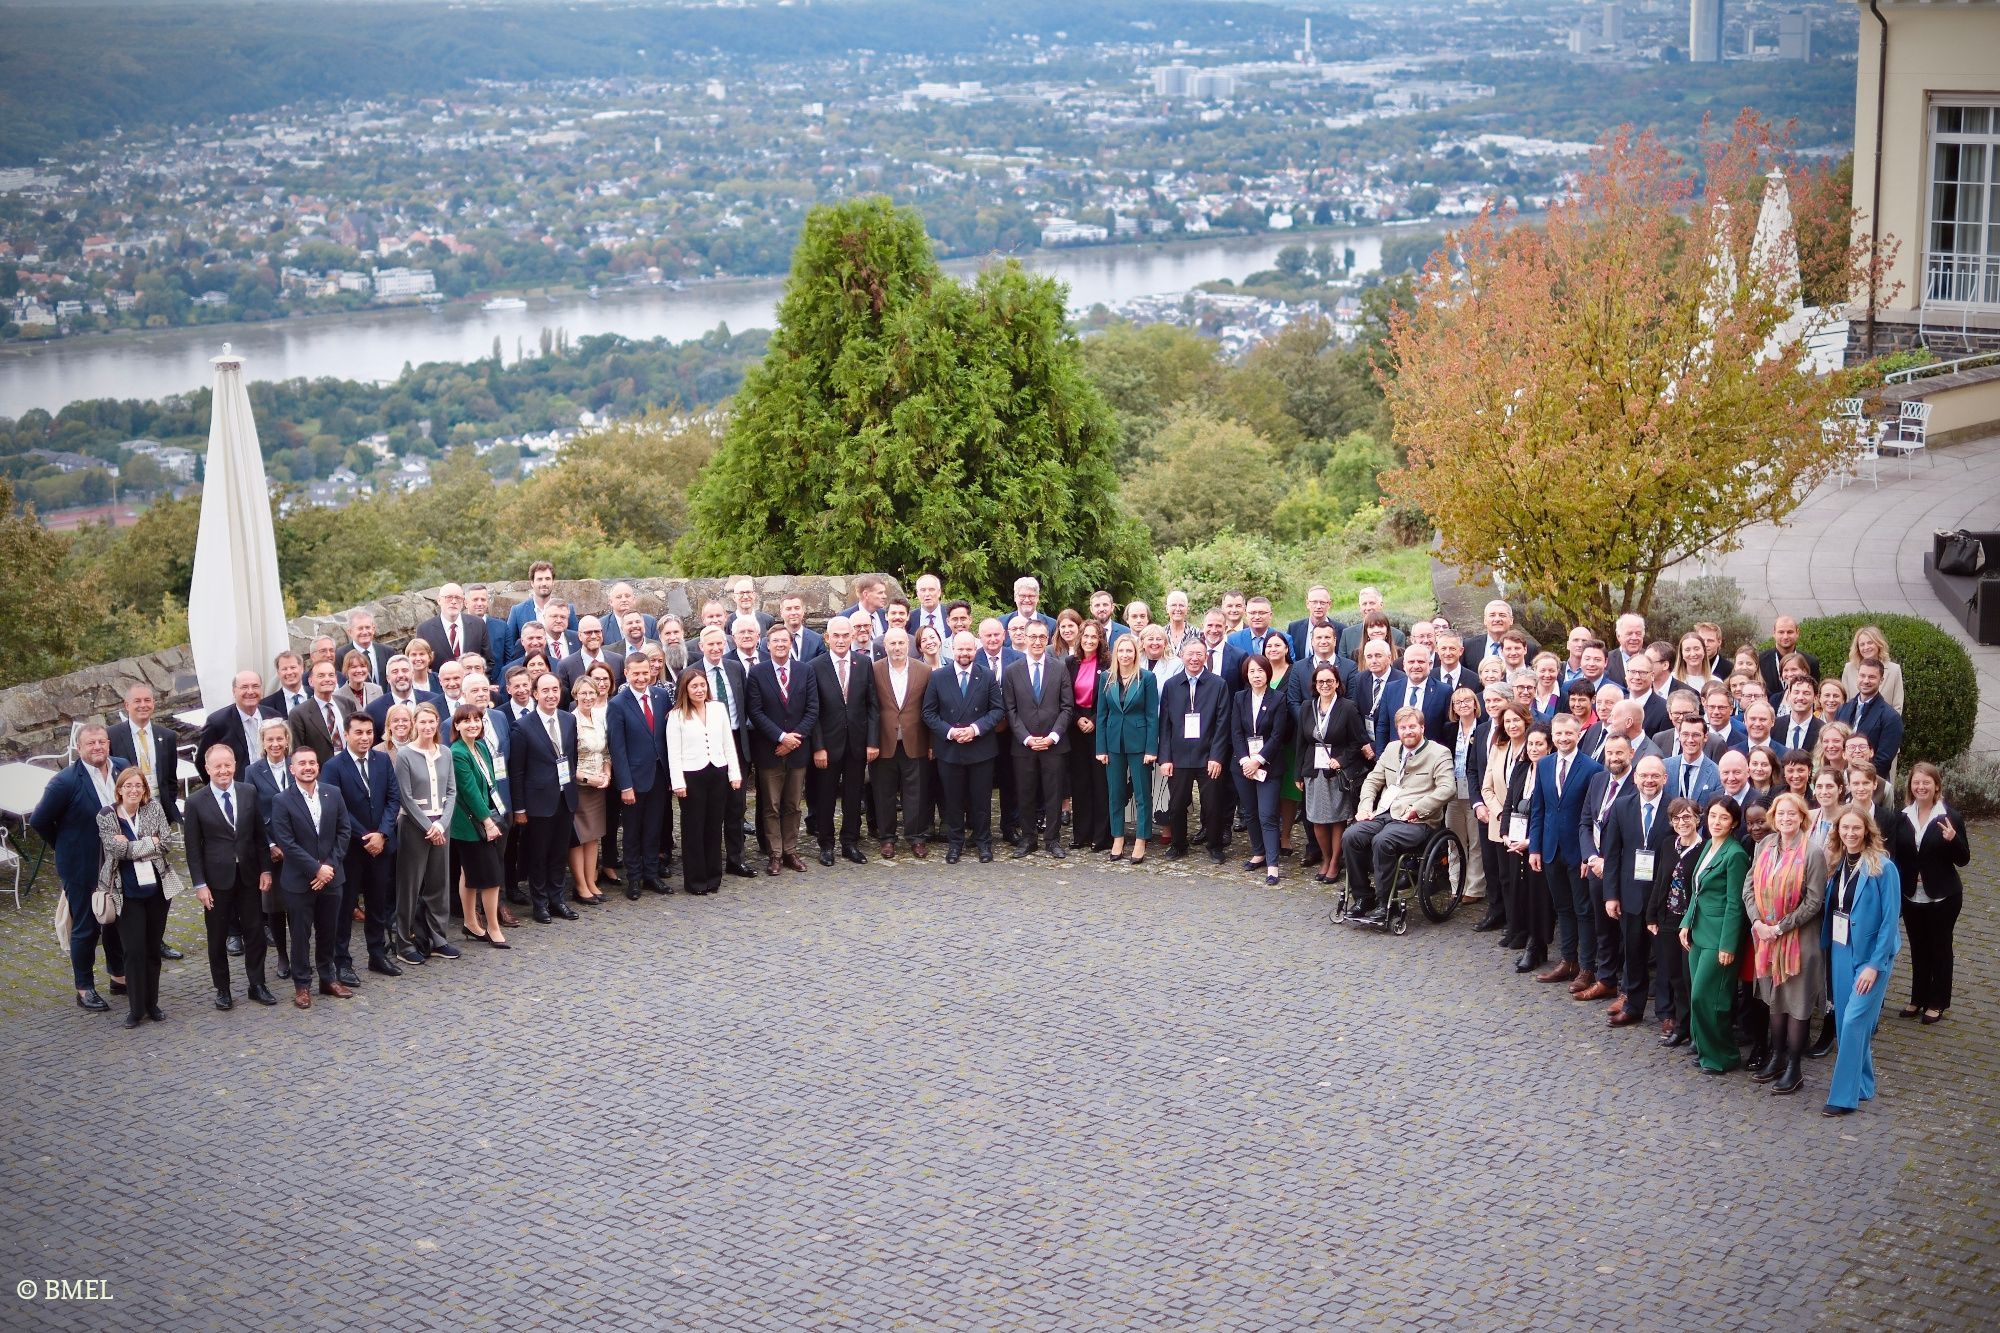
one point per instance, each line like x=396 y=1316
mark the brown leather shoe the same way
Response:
x=1621 y=1019
x=921 y=849
x=303 y=999
x=507 y=918
x=792 y=862
x=335 y=989
x=1560 y=972
x=772 y=869
x=1597 y=991
x=888 y=851
x=1582 y=981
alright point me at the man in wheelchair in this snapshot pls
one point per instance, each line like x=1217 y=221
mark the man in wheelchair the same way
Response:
x=1402 y=805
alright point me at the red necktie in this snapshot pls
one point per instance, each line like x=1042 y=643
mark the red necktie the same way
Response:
x=784 y=684
x=451 y=637
x=646 y=705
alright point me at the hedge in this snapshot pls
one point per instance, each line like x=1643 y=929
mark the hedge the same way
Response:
x=1940 y=688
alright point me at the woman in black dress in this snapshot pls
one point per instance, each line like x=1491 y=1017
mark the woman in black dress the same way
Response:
x=1330 y=764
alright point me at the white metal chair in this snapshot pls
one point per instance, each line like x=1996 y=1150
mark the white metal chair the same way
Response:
x=1865 y=454
x=10 y=860
x=1905 y=436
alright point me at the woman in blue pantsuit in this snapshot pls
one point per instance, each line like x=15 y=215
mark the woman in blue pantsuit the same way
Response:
x=1127 y=740
x=1260 y=727
x=1863 y=901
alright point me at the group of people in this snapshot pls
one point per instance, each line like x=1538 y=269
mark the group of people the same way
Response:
x=1643 y=819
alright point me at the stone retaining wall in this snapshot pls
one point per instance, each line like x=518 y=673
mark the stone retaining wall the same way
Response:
x=35 y=718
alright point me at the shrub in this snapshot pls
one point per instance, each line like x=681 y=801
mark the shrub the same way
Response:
x=1226 y=561
x=1972 y=785
x=1678 y=607
x=1940 y=688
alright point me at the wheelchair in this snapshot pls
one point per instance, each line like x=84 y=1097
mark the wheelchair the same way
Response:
x=1433 y=875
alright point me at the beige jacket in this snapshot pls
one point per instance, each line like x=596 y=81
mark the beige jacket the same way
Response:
x=1424 y=786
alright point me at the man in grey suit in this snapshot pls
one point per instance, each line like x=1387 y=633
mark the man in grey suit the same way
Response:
x=1041 y=703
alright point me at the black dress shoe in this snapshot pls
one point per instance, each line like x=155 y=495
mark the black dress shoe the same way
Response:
x=951 y=855
x=132 y=1020
x=1217 y=857
x=1823 y=1042
x=117 y=988
x=91 y=1000
x=224 y=1000
x=385 y=967
x=1056 y=850
x=157 y=1014
x=631 y=893
x=1176 y=853
x=1021 y=850
x=542 y=917
x=985 y=852
x=284 y=970
x=826 y=856
x=170 y=953
x=854 y=854
x=562 y=910
x=741 y=871
x=1491 y=923
x=262 y=994
x=1523 y=964
x=345 y=976
x=234 y=946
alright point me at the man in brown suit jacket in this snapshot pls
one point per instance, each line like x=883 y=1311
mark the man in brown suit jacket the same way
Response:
x=902 y=748
x=308 y=720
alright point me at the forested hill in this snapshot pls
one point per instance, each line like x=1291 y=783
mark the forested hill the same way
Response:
x=73 y=71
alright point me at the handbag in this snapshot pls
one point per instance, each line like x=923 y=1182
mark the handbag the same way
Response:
x=1960 y=554
x=103 y=906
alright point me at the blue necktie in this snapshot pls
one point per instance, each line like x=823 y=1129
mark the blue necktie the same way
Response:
x=1035 y=677
x=228 y=808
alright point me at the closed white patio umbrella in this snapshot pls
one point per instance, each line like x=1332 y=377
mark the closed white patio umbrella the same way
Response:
x=236 y=610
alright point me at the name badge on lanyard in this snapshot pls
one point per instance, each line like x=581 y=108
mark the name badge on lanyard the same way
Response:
x=1517 y=828
x=1191 y=726
x=143 y=872
x=1256 y=747
x=1642 y=865
x=1840 y=920
x=1323 y=757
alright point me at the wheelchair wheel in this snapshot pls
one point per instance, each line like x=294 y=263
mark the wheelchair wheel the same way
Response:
x=1441 y=877
x=1340 y=902
x=1399 y=917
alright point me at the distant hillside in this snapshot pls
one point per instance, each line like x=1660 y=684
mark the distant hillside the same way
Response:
x=70 y=71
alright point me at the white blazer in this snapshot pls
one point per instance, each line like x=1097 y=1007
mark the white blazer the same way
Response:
x=693 y=746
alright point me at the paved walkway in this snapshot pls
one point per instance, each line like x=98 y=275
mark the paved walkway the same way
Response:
x=1862 y=547
x=1018 y=1096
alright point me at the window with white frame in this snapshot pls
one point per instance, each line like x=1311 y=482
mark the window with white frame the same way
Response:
x=1962 y=233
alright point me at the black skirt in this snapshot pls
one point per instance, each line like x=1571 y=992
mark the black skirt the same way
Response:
x=479 y=861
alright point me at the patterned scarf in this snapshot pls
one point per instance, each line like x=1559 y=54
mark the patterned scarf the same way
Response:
x=1779 y=882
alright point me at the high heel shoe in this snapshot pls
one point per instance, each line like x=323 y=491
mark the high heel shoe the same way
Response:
x=472 y=934
x=498 y=944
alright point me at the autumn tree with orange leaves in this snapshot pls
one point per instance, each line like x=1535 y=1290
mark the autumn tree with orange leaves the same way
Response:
x=1587 y=404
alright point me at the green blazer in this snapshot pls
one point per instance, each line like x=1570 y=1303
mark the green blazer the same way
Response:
x=475 y=796
x=1128 y=717
x=1714 y=917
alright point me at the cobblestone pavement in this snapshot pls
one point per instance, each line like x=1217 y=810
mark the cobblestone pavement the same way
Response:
x=1017 y=1096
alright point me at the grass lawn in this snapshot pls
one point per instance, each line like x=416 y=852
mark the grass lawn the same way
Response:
x=1402 y=576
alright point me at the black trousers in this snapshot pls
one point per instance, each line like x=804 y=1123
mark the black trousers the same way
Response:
x=371 y=881
x=1671 y=962
x=239 y=909
x=1038 y=791
x=736 y=805
x=511 y=858
x=312 y=917
x=1005 y=782
x=1636 y=965
x=142 y=928
x=1497 y=904
x=898 y=782
x=1607 y=936
x=1930 y=926
x=1530 y=920
x=967 y=794
x=1565 y=893
x=1089 y=795
x=844 y=779
x=644 y=820
x=703 y=812
x=1181 y=788
x=607 y=846
x=1371 y=847
x=545 y=854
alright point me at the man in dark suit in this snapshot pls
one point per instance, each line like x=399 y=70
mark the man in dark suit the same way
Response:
x=66 y=819
x=590 y=651
x=743 y=602
x=1639 y=675
x=1041 y=704
x=560 y=622
x=1225 y=659
x=1637 y=851
x=1368 y=602
x=1322 y=650
x=622 y=602
x=318 y=723
x=1771 y=662
x=237 y=724
x=292 y=688
x=269 y=775
x=1318 y=602
x=843 y=740
x=728 y=683
x=1555 y=849
x=807 y=644
x=541 y=773
x=402 y=690
x=1421 y=692
x=1605 y=960
x=451 y=631
x=361 y=639
x=964 y=710
x=784 y=709
x=230 y=866
x=1027 y=606
x=1869 y=714
x=1378 y=693
x=1499 y=618
x=1799 y=728
x=635 y=726
x=1631 y=636
x=366 y=781
x=996 y=655
x=500 y=645
x=143 y=742
x=1725 y=731
x=310 y=826
x=541 y=596
x=1194 y=744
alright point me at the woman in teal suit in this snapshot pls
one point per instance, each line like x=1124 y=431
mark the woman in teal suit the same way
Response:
x=1712 y=933
x=1127 y=717
x=1863 y=901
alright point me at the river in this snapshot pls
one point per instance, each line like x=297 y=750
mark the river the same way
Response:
x=378 y=344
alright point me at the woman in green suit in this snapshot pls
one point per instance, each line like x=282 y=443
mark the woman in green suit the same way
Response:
x=1712 y=933
x=478 y=822
x=1127 y=718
